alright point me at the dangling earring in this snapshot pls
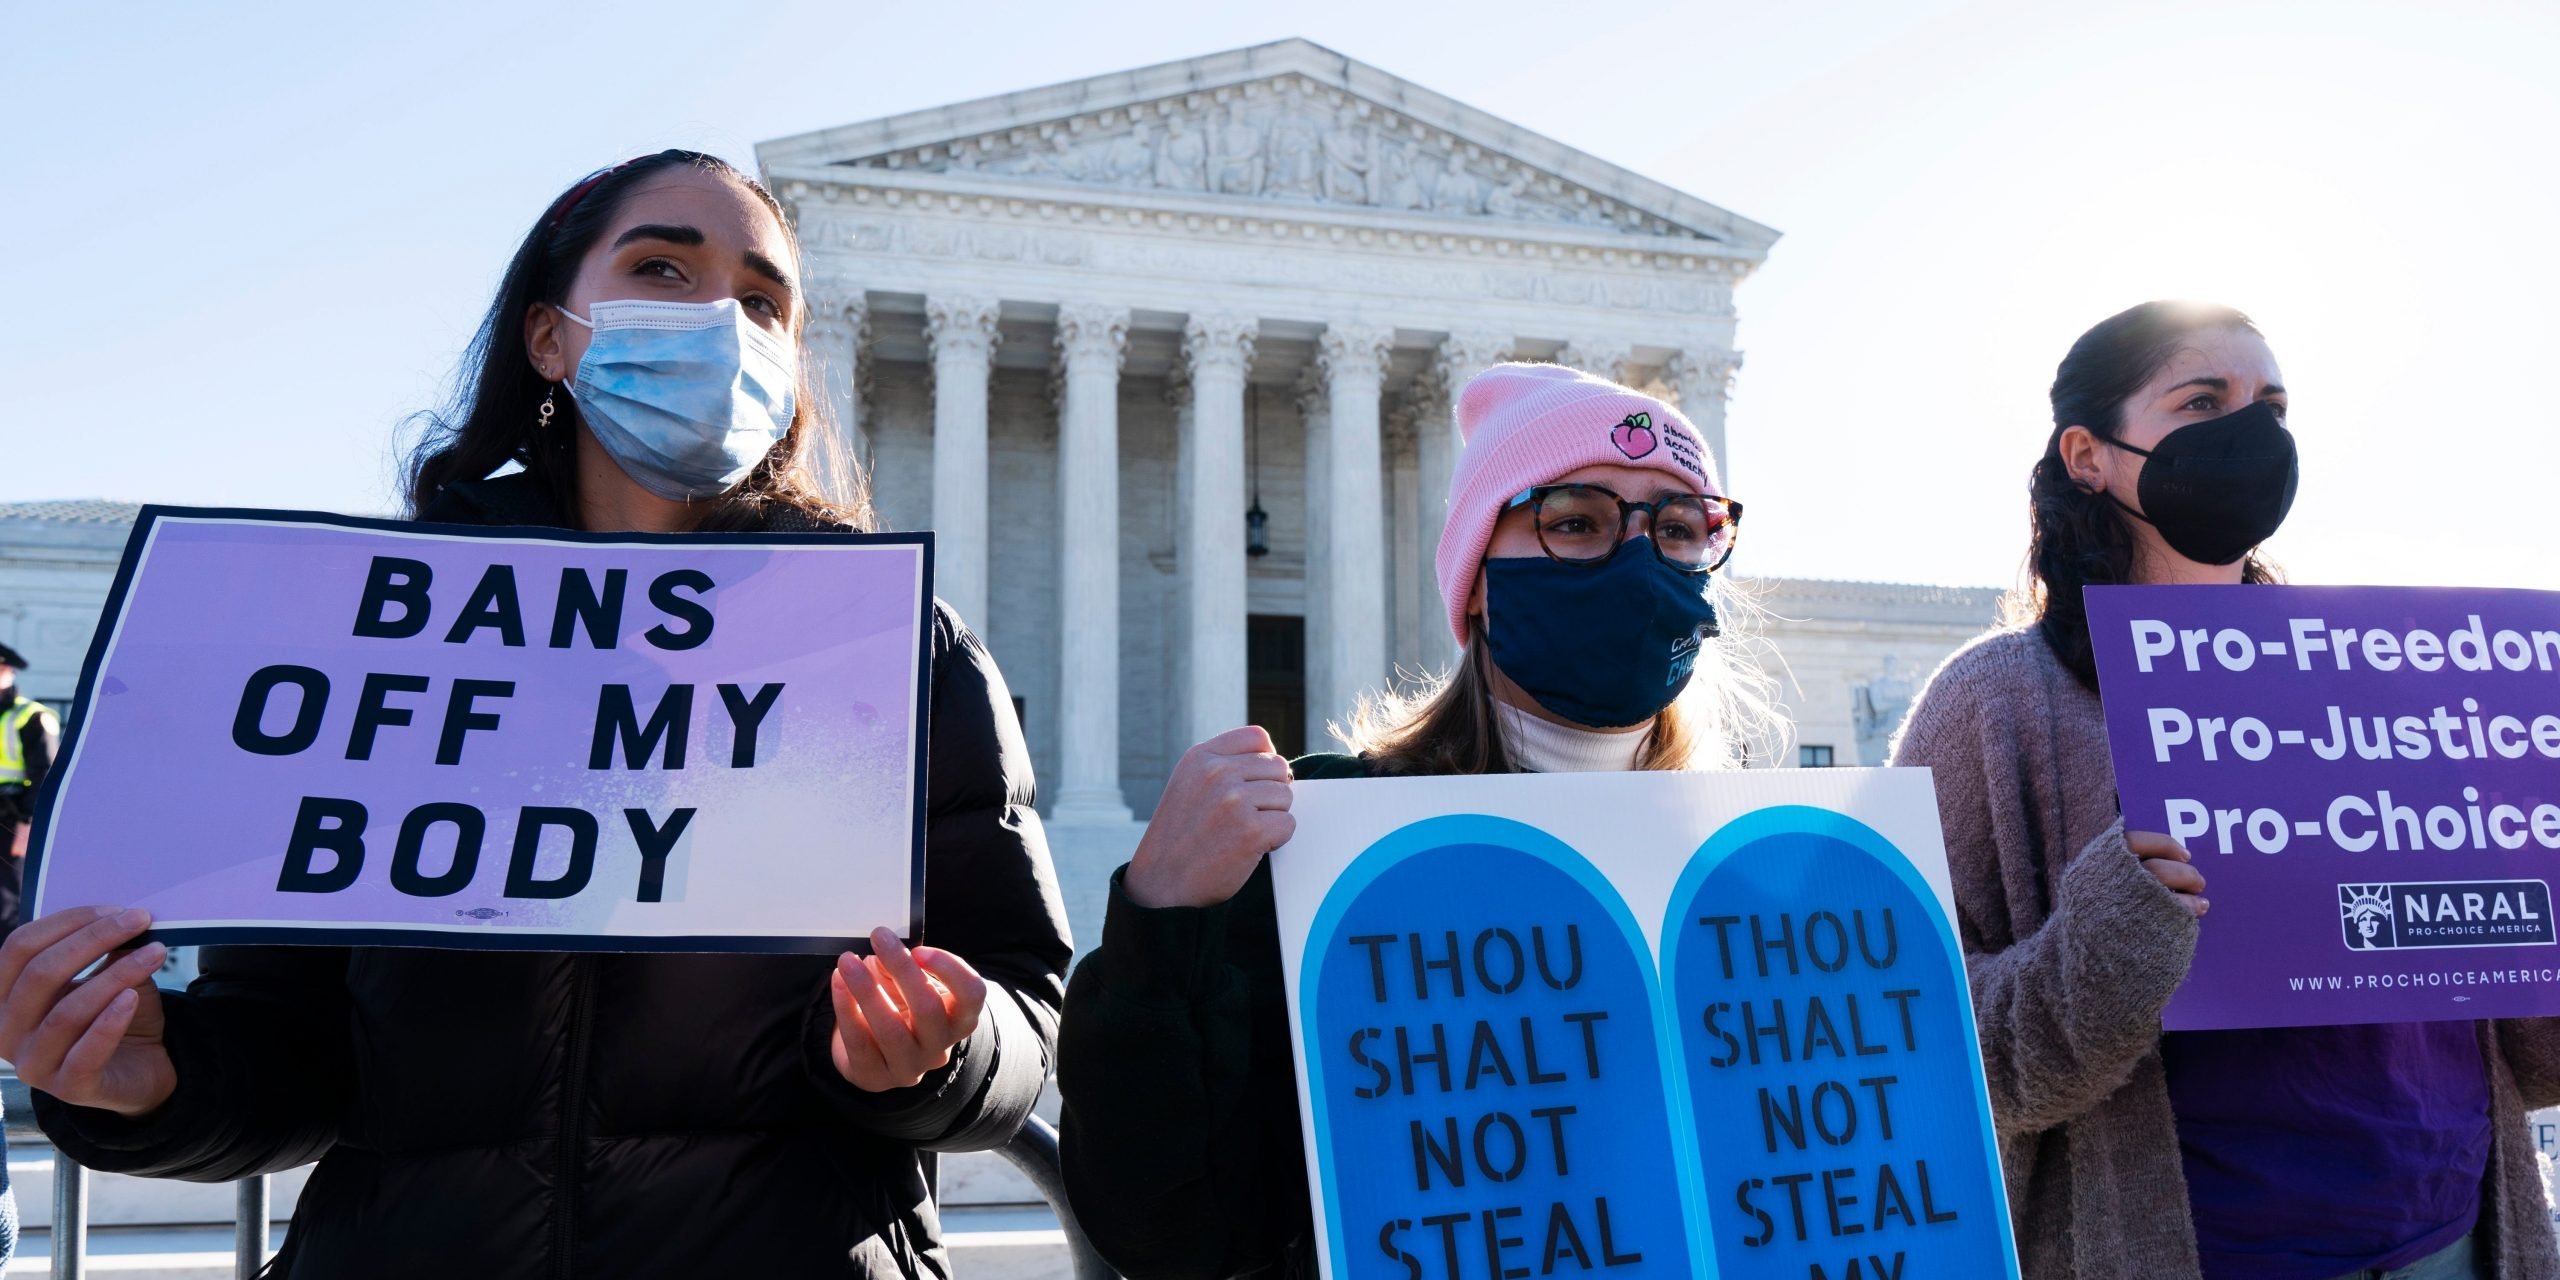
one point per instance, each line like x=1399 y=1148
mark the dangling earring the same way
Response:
x=543 y=422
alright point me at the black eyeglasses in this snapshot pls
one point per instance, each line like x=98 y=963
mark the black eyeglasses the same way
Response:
x=1585 y=524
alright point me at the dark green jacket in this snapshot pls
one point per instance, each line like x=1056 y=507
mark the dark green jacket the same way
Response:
x=1183 y=1156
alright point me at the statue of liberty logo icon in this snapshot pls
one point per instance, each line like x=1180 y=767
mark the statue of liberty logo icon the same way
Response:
x=2364 y=914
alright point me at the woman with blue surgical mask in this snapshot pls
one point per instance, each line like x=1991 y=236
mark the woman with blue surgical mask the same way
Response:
x=1580 y=569
x=495 y=1115
x=686 y=397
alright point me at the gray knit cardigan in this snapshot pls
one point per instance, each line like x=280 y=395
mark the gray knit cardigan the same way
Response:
x=2073 y=949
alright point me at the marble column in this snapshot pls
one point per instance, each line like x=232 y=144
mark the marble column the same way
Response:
x=1315 y=419
x=1092 y=340
x=1408 y=635
x=1598 y=357
x=839 y=324
x=1219 y=352
x=1353 y=358
x=1173 y=727
x=1437 y=445
x=1701 y=380
x=961 y=331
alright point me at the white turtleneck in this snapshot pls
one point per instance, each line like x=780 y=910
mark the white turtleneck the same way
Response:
x=1540 y=745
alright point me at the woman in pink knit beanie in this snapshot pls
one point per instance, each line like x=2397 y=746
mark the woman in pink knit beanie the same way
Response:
x=1579 y=565
x=1560 y=637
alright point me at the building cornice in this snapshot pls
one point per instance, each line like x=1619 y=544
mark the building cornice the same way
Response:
x=1885 y=603
x=815 y=194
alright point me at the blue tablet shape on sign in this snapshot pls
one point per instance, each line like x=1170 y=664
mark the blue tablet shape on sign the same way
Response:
x=1831 y=1079
x=1485 y=1066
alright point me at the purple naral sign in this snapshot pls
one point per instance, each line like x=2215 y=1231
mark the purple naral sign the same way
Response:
x=305 y=728
x=2369 y=778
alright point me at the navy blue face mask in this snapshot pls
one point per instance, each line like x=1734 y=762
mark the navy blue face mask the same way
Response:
x=1604 y=646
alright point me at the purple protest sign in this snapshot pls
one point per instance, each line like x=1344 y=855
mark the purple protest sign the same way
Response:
x=2369 y=778
x=307 y=728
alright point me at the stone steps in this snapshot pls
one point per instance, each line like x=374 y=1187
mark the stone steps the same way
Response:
x=993 y=1218
x=972 y=1180
x=159 y=1229
x=986 y=1244
x=116 y=1200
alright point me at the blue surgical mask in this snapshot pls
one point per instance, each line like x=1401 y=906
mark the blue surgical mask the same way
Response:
x=687 y=397
x=1605 y=646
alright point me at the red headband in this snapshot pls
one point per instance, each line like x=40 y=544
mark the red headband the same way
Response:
x=579 y=192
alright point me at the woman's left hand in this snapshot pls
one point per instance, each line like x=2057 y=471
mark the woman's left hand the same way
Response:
x=900 y=1012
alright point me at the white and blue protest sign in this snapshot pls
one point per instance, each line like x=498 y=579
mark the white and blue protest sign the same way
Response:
x=1640 y=1024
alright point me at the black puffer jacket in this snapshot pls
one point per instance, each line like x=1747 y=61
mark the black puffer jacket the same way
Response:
x=499 y=1116
x=1180 y=1098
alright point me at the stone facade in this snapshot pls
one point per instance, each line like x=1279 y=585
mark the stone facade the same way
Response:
x=1850 y=656
x=57 y=561
x=1079 y=330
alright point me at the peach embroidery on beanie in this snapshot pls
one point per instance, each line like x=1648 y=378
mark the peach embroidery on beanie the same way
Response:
x=1634 y=435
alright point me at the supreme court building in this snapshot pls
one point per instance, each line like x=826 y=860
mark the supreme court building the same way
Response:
x=1164 y=358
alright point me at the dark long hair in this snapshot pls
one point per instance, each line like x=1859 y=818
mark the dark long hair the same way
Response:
x=2079 y=538
x=497 y=396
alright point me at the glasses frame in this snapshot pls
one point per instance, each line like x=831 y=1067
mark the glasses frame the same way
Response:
x=1534 y=498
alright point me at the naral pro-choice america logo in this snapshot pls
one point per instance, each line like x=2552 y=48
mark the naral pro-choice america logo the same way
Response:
x=2448 y=913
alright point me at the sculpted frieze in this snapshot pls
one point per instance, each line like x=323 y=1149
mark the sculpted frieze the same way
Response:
x=1284 y=140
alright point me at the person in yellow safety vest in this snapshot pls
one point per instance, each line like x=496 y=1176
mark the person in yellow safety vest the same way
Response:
x=27 y=735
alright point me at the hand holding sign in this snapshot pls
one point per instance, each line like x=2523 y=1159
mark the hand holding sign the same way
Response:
x=92 y=1042
x=2167 y=861
x=1226 y=806
x=899 y=1013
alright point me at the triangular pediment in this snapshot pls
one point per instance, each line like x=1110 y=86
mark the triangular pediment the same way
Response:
x=1290 y=123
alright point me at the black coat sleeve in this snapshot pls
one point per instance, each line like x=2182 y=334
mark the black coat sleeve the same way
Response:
x=1182 y=1151
x=35 y=746
x=991 y=898
x=265 y=1070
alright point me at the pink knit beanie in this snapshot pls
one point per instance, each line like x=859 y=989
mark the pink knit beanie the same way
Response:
x=1527 y=424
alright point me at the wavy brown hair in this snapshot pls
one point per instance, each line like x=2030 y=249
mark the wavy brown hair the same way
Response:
x=2078 y=539
x=490 y=422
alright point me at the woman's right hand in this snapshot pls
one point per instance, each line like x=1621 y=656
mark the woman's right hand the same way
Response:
x=1226 y=805
x=2167 y=861
x=91 y=1042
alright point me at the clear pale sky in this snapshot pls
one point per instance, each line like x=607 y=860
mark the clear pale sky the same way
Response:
x=246 y=240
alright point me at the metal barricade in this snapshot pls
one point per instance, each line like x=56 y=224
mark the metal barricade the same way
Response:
x=249 y=1228
x=69 y=1235
x=1033 y=1150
